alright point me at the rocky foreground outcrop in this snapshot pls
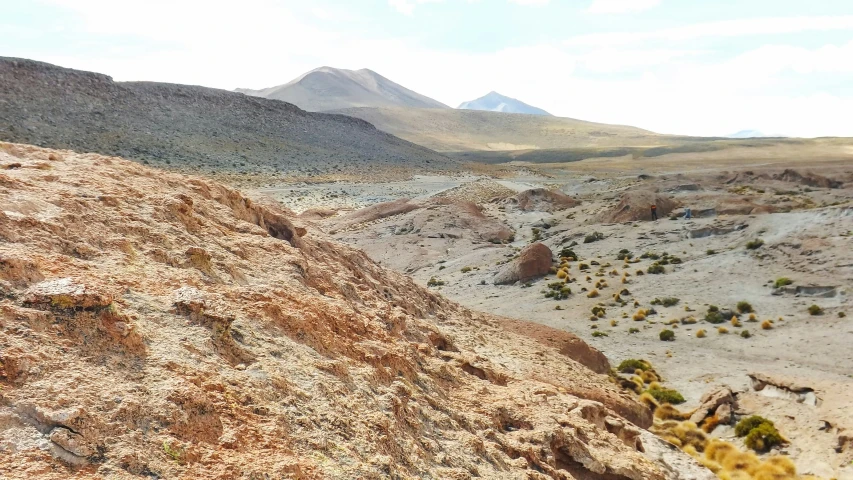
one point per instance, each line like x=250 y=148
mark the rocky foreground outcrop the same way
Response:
x=154 y=325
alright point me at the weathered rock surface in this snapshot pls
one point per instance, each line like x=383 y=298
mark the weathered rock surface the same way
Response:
x=636 y=205
x=544 y=200
x=266 y=351
x=533 y=261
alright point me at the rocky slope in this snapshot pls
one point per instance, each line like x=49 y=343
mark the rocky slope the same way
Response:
x=328 y=88
x=190 y=127
x=158 y=325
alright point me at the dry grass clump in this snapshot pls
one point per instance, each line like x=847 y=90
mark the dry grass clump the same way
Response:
x=736 y=322
x=639 y=316
x=752 y=318
x=689 y=321
x=562 y=274
x=593 y=294
x=666 y=301
x=631 y=365
x=766 y=325
x=614 y=323
x=701 y=334
x=722 y=330
x=599 y=311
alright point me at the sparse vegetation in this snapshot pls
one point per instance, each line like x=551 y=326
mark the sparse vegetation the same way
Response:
x=667 y=335
x=666 y=301
x=754 y=244
x=656 y=269
x=815 y=310
x=631 y=365
x=761 y=434
x=744 y=307
x=782 y=282
x=434 y=282
x=593 y=237
x=666 y=395
x=624 y=254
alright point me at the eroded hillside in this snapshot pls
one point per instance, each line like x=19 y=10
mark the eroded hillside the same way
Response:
x=158 y=325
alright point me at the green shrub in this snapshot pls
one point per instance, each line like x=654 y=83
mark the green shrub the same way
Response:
x=841 y=314
x=714 y=317
x=667 y=335
x=666 y=301
x=568 y=253
x=746 y=425
x=744 y=307
x=763 y=438
x=710 y=252
x=434 y=282
x=781 y=282
x=815 y=310
x=599 y=311
x=624 y=254
x=745 y=334
x=593 y=237
x=599 y=333
x=666 y=395
x=583 y=266
x=754 y=244
x=650 y=255
x=633 y=330
x=656 y=269
x=631 y=365
x=466 y=269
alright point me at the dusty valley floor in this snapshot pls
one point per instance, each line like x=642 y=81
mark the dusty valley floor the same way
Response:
x=801 y=210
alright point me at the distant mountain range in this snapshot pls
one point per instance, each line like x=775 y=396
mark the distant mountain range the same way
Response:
x=753 y=134
x=495 y=102
x=328 y=88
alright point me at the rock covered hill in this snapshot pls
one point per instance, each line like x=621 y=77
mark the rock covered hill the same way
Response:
x=495 y=102
x=190 y=127
x=328 y=88
x=158 y=325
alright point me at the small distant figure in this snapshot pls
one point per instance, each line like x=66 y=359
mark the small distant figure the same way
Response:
x=654 y=212
x=687 y=213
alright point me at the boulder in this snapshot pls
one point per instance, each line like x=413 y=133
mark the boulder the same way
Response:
x=636 y=205
x=534 y=261
x=711 y=402
x=64 y=293
x=544 y=200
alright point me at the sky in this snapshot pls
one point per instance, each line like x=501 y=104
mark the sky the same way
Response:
x=694 y=67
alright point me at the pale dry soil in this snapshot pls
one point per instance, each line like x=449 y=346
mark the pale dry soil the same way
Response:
x=809 y=242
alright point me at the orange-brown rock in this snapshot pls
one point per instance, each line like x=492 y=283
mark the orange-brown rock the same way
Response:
x=204 y=335
x=533 y=261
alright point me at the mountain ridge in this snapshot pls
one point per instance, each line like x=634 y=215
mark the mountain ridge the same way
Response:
x=495 y=102
x=328 y=88
x=189 y=126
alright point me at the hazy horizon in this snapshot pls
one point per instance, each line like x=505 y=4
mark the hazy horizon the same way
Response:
x=664 y=65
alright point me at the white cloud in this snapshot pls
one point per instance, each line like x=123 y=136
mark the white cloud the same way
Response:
x=621 y=6
x=407 y=7
x=670 y=90
x=727 y=28
x=531 y=3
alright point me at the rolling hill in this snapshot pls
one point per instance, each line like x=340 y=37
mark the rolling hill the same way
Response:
x=328 y=88
x=495 y=102
x=472 y=130
x=190 y=127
